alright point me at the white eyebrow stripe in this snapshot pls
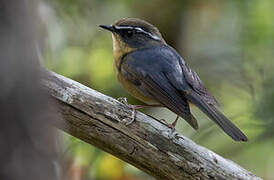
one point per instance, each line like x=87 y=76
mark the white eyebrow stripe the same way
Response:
x=137 y=29
x=123 y=27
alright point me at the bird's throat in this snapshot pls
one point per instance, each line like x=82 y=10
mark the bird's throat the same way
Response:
x=119 y=50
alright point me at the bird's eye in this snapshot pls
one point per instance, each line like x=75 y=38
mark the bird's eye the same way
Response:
x=129 y=33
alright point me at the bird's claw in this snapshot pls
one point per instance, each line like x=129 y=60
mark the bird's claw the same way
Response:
x=133 y=115
x=128 y=121
x=122 y=100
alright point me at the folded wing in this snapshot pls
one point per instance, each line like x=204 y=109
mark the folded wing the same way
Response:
x=150 y=76
x=163 y=74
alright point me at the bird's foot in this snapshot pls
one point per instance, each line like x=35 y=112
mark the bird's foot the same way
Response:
x=133 y=107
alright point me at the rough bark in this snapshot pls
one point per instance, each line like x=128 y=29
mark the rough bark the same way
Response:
x=147 y=143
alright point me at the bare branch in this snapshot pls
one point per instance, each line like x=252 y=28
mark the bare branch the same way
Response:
x=147 y=144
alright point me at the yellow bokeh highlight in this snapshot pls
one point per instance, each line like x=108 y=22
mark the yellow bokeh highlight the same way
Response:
x=110 y=168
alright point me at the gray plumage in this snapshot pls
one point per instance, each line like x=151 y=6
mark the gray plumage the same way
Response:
x=162 y=74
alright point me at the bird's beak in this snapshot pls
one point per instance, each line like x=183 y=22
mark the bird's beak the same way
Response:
x=108 y=27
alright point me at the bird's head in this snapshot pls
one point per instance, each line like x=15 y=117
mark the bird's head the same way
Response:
x=132 y=33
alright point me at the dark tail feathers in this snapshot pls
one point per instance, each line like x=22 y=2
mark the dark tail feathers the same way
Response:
x=214 y=114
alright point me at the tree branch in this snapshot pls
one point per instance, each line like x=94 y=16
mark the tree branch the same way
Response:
x=147 y=143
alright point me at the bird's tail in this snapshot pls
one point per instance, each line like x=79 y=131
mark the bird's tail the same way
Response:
x=213 y=113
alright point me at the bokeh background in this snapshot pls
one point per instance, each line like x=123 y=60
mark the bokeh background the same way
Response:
x=228 y=43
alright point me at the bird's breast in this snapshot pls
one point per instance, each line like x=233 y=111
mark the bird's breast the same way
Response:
x=132 y=89
x=119 y=50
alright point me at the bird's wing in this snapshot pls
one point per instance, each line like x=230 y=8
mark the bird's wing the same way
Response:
x=197 y=85
x=195 y=92
x=163 y=74
x=147 y=70
x=189 y=78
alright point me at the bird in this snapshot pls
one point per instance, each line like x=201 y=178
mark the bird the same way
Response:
x=154 y=73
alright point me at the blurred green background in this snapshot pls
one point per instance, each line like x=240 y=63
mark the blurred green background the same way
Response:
x=228 y=43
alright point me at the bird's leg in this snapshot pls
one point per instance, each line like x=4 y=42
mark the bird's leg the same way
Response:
x=134 y=107
x=172 y=125
x=175 y=122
